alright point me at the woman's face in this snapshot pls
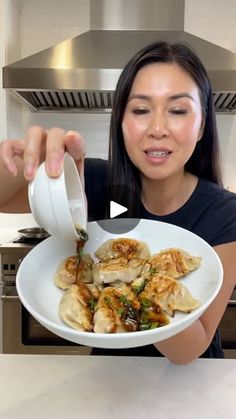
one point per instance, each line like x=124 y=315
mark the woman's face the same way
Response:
x=162 y=121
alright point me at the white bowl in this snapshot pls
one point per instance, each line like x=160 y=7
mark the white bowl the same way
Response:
x=58 y=204
x=40 y=296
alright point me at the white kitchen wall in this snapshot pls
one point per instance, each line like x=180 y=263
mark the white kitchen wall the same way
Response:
x=10 y=51
x=10 y=43
x=13 y=30
x=3 y=113
x=227 y=134
x=214 y=20
x=47 y=22
x=93 y=127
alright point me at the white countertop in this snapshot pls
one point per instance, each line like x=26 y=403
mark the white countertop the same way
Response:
x=68 y=387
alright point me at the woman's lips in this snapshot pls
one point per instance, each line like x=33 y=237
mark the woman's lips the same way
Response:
x=157 y=156
x=157 y=153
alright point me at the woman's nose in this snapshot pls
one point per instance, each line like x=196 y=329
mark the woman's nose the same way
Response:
x=158 y=126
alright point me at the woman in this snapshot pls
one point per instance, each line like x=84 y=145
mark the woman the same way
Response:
x=163 y=143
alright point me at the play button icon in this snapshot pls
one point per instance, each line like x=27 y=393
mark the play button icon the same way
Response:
x=116 y=209
x=120 y=218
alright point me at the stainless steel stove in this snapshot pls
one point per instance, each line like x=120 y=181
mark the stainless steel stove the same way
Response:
x=21 y=333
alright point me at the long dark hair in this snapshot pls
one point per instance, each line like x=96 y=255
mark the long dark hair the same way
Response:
x=203 y=163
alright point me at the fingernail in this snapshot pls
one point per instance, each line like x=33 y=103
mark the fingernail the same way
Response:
x=71 y=134
x=29 y=171
x=53 y=167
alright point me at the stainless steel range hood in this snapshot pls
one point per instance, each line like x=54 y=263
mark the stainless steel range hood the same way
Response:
x=80 y=74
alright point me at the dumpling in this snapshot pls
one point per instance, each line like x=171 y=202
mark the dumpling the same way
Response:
x=174 y=262
x=123 y=247
x=74 y=269
x=85 y=269
x=169 y=294
x=117 y=310
x=66 y=272
x=76 y=307
x=125 y=270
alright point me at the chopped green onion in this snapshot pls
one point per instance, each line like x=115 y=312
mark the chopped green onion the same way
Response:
x=124 y=300
x=120 y=311
x=138 y=288
x=145 y=303
x=92 y=303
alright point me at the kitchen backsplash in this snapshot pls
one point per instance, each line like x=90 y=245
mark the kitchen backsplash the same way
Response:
x=93 y=127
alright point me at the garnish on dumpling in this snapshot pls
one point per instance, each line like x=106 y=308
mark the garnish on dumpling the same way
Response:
x=123 y=247
x=169 y=294
x=174 y=262
x=117 y=310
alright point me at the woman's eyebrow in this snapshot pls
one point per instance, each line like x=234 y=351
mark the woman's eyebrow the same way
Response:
x=139 y=96
x=180 y=95
x=170 y=98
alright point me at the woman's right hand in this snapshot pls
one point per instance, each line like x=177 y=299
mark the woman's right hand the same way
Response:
x=39 y=145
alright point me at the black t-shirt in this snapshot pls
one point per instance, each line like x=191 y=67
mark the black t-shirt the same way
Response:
x=210 y=213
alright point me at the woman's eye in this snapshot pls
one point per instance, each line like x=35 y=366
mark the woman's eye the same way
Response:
x=178 y=111
x=140 y=111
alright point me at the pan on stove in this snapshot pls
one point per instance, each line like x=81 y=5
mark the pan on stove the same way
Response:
x=33 y=233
